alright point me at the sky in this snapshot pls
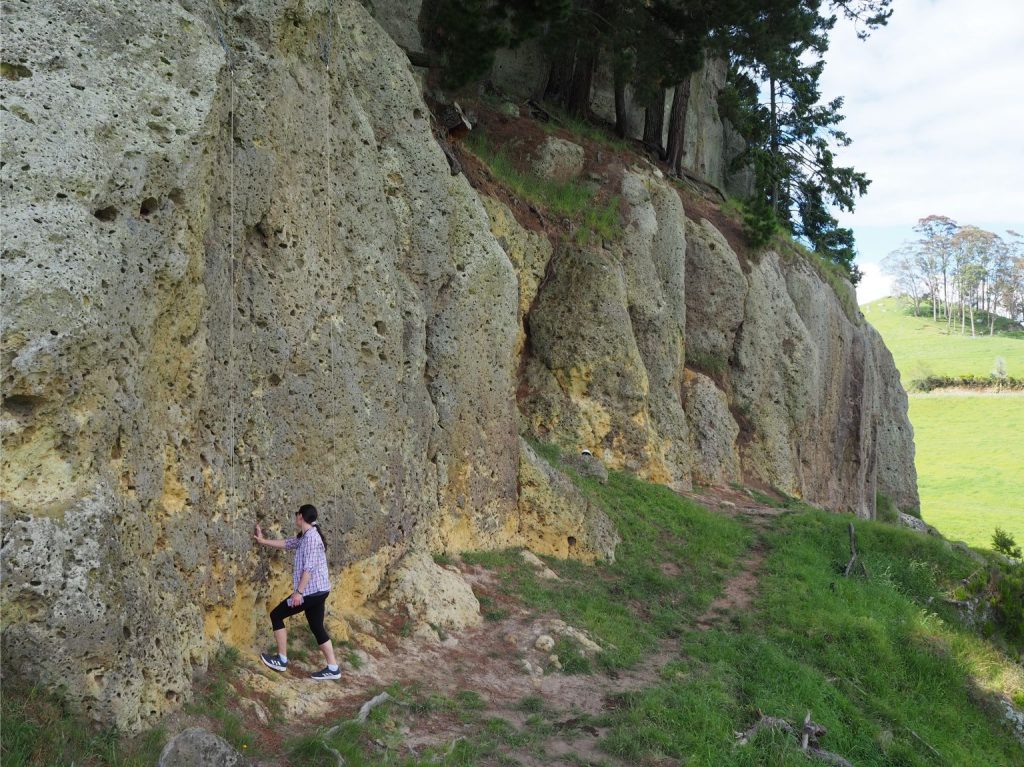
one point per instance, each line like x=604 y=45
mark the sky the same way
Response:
x=934 y=103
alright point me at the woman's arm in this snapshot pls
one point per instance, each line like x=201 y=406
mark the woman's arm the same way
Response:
x=271 y=542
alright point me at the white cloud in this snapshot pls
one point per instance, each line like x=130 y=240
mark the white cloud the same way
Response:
x=873 y=284
x=935 y=109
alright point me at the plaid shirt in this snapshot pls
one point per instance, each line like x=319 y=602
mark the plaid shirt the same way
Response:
x=311 y=557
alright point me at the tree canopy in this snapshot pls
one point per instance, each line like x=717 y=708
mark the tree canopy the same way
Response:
x=776 y=49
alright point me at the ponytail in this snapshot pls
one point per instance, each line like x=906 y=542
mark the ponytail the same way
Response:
x=310 y=514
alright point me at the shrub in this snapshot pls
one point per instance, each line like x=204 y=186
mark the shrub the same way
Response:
x=969 y=381
x=1005 y=544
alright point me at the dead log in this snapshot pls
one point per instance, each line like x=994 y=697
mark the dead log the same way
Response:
x=807 y=736
x=854 y=560
x=372 y=703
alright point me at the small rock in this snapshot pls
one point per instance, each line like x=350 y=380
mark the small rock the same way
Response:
x=728 y=504
x=555 y=662
x=372 y=644
x=256 y=708
x=587 y=465
x=511 y=638
x=526 y=666
x=531 y=559
x=196 y=747
x=510 y=109
x=535 y=562
x=545 y=643
x=433 y=594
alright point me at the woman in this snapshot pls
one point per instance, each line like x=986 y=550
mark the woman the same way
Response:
x=310 y=587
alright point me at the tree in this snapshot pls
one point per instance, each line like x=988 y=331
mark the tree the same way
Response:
x=905 y=269
x=463 y=35
x=935 y=254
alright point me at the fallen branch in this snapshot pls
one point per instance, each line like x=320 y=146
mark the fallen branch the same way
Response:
x=364 y=712
x=926 y=743
x=450 y=751
x=807 y=735
x=854 y=561
x=372 y=703
x=338 y=758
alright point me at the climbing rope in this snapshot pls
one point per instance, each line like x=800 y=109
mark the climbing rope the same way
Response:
x=326 y=46
x=231 y=469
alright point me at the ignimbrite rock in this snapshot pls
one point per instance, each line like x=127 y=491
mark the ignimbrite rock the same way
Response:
x=558 y=160
x=433 y=595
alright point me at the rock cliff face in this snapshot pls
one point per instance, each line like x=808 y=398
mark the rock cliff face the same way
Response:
x=238 y=276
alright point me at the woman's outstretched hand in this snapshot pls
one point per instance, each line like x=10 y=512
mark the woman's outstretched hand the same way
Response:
x=258 y=535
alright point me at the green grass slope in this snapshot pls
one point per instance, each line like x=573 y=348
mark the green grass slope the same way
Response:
x=970 y=448
x=922 y=347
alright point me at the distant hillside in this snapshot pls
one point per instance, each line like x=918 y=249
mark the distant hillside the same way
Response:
x=923 y=347
x=969 y=448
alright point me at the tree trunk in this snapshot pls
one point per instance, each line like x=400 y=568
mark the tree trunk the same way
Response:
x=774 y=126
x=621 y=112
x=945 y=299
x=654 y=123
x=559 y=75
x=578 y=96
x=677 y=125
x=570 y=79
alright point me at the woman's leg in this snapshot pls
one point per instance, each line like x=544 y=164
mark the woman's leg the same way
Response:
x=315 y=618
x=277 y=616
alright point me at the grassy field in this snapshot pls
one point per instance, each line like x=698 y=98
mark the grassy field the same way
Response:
x=970 y=448
x=970 y=463
x=922 y=347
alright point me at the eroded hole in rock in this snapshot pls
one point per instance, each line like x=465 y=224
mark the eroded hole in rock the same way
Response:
x=571 y=541
x=148 y=206
x=274 y=379
x=11 y=71
x=22 y=404
x=109 y=213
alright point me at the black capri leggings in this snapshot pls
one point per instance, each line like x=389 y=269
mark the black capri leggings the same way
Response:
x=313 y=606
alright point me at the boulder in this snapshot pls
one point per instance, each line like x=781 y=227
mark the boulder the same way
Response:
x=558 y=160
x=196 y=747
x=433 y=595
x=555 y=518
x=713 y=432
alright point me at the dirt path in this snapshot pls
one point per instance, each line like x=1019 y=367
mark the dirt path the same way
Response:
x=499 y=662
x=740 y=589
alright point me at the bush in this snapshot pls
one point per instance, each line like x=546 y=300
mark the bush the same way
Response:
x=1005 y=544
x=970 y=381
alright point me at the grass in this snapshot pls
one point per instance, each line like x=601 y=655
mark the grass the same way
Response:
x=38 y=727
x=380 y=742
x=586 y=129
x=881 y=661
x=214 y=697
x=711 y=364
x=868 y=657
x=970 y=448
x=576 y=200
x=922 y=347
x=970 y=464
x=631 y=604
